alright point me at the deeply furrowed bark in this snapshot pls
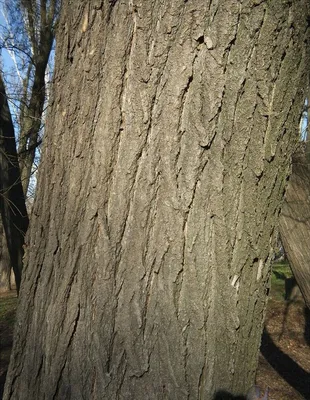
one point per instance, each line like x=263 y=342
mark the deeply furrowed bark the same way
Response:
x=164 y=165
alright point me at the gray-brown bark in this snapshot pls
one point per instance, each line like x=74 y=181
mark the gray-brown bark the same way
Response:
x=295 y=223
x=12 y=201
x=165 y=161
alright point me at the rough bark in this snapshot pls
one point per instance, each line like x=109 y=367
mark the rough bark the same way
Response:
x=295 y=222
x=164 y=164
x=12 y=201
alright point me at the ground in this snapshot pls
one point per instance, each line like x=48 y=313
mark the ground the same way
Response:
x=284 y=364
x=8 y=303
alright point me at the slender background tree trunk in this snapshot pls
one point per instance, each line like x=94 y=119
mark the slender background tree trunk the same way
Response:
x=41 y=33
x=31 y=32
x=5 y=263
x=12 y=200
x=165 y=161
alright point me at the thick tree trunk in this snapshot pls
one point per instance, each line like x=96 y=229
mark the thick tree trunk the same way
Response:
x=295 y=222
x=165 y=161
x=12 y=200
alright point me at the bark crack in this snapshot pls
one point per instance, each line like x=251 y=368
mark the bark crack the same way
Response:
x=66 y=351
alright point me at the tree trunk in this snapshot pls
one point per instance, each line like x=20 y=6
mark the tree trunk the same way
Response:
x=164 y=164
x=295 y=222
x=40 y=33
x=5 y=263
x=31 y=119
x=12 y=201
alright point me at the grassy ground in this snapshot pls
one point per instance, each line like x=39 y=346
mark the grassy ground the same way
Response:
x=284 y=364
x=281 y=272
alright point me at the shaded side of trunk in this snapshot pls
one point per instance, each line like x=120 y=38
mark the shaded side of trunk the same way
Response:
x=165 y=161
x=12 y=200
x=295 y=223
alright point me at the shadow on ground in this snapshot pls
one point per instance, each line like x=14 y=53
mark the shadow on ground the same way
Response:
x=285 y=366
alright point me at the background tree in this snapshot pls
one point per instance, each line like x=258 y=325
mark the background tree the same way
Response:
x=165 y=161
x=295 y=215
x=28 y=35
x=6 y=278
x=12 y=200
x=295 y=221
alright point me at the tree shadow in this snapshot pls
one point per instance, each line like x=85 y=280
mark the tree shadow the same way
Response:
x=285 y=366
